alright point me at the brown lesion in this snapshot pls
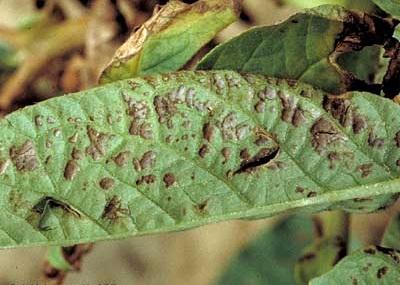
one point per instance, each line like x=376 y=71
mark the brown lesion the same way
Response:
x=24 y=157
x=342 y=110
x=323 y=135
x=391 y=85
x=97 y=148
x=263 y=157
x=114 y=210
x=361 y=30
x=291 y=112
x=169 y=179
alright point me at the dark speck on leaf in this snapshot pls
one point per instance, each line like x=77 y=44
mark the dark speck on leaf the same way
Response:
x=204 y=149
x=365 y=169
x=106 y=183
x=382 y=272
x=169 y=179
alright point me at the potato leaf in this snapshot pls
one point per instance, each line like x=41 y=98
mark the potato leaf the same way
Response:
x=328 y=248
x=305 y=47
x=270 y=258
x=170 y=38
x=180 y=150
x=391 y=7
x=373 y=265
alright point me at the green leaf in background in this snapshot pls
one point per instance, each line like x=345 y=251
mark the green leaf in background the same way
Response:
x=305 y=47
x=180 y=150
x=169 y=39
x=392 y=7
x=328 y=248
x=373 y=265
x=363 y=5
x=391 y=237
x=364 y=64
x=270 y=259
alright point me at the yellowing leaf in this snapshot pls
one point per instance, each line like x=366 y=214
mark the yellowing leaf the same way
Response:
x=170 y=38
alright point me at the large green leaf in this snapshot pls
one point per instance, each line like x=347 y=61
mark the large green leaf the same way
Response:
x=270 y=258
x=179 y=150
x=169 y=39
x=392 y=7
x=374 y=265
x=305 y=47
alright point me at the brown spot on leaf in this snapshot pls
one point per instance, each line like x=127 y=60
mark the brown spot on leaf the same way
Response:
x=298 y=117
x=24 y=157
x=146 y=179
x=373 y=141
x=122 y=158
x=333 y=157
x=164 y=109
x=208 y=131
x=299 y=189
x=342 y=111
x=169 y=179
x=244 y=154
x=106 y=183
x=73 y=138
x=204 y=149
x=260 y=106
x=141 y=129
x=382 y=272
x=76 y=154
x=228 y=126
x=201 y=207
x=71 y=170
x=311 y=194
x=148 y=159
x=358 y=124
x=38 y=121
x=113 y=209
x=226 y=153
x=290 y=112
x=137 y=109
x=323 y=134
x=97 y=143
x=365 y=169
x=268 y=93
